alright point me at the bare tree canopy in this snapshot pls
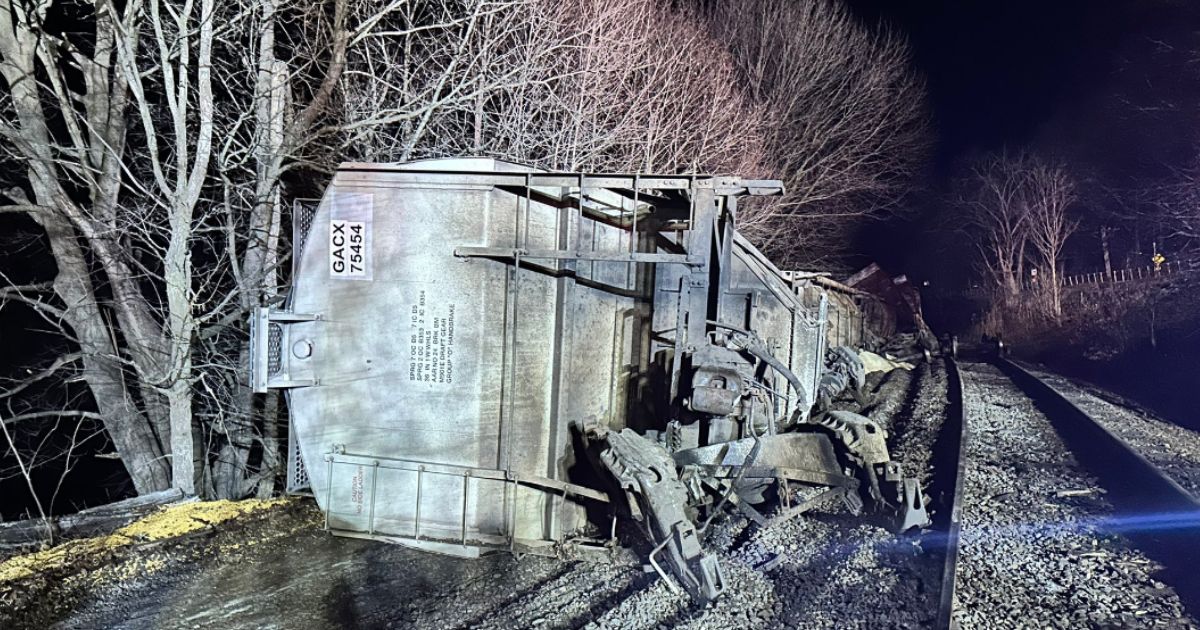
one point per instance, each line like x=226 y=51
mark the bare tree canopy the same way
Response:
x=995 y=205
x=845 y=120
x=1016 y=208
x=579 y=84
x=1172 y=206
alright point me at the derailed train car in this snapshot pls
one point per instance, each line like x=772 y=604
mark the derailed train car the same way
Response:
x=478 y=355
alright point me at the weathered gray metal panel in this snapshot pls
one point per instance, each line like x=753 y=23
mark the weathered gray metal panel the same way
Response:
x=452 y=322
x=422 y=356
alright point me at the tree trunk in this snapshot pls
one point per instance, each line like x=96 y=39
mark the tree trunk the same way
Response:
x=1020 y=262
x=478 y=125
x=177 y=276
x=140 y=449
x=1136 y=254
x=1104 y=230
x=259 y=263
x=260 y=258
x=90 y=522
x=271 y=447
x=1055 y=292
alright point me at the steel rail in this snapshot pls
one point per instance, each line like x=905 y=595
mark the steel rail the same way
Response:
x=951 y=443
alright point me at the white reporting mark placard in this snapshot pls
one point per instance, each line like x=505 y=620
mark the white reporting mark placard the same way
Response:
x=347 y=248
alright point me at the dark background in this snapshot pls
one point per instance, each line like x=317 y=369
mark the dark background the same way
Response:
x=1108 y=87
x=1111 y=89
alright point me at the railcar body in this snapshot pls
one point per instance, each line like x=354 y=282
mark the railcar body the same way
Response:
x=479 y=355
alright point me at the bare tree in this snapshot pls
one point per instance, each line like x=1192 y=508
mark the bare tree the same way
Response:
x=178 y=179
x=581 y=84
x=845 y=117
x=74 y=174
x=1049 y=192
x=996 y=203
x=1015 y=203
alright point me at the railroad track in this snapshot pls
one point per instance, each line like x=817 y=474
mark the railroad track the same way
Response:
x=1053 y=520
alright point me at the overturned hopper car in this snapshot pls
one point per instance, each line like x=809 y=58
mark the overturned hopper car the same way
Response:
x=478 y=355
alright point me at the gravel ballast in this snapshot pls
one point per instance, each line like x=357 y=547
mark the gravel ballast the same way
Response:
x=1031 y=552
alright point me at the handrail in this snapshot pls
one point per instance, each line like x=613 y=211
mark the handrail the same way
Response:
x=544 y=483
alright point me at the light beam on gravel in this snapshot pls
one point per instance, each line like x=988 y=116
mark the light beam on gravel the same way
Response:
x=1129 y=524
x=1151 y=522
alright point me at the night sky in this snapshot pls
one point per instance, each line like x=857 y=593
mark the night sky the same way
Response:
x=1110 y=87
